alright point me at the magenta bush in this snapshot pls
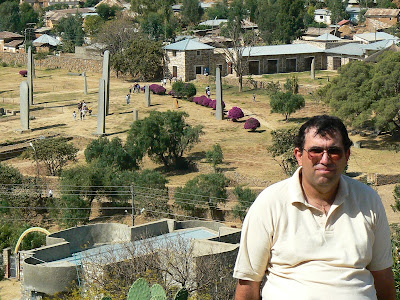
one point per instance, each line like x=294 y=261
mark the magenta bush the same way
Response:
x=172 y=93
x=157 y=89
x=252 y=124
x=23 y=73
x=206 y=101
x=235 y=113
x=213 y=104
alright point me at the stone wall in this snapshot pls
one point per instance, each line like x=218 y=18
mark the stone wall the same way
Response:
x=203 y=58
x=65 y=61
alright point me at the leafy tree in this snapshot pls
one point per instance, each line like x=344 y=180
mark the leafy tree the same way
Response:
x=215 y=156
x=164 y=136
x=27 y=15
x=107 y=12
x=191 y=11
x=286 y=103
x=91 y=3
x=10 y=175
x=281 y=21
x=218 y=11
x=245 y=198
x=54 y=152
x=93 y=25
x=338 y=10
x=366 y=96
x=184 y=89
x=112 y=154
x=234 y=30
x=202 y=192
x=9 y=12
x=11 y=231
x=283 y=148
x=396 y=194
x=292 y=84
x=70 y=29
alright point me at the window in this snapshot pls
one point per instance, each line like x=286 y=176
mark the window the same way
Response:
x=198 y=53
x=174 y=53
x=199 y=70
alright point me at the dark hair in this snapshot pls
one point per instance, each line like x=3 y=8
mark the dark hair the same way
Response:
x=325 y=125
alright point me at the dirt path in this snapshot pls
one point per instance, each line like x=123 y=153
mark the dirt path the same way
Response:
x=10 y=289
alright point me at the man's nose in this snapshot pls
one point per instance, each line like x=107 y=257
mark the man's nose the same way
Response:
x=325 y=157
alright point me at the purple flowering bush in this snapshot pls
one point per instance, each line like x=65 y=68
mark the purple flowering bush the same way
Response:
x=23 y=73
x=252 y=124
x=206 y=101
x=235 y=113
x=172 y=93
x=157 y=89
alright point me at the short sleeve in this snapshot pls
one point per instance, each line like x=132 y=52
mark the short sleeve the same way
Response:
x=255 y=243
x=382 y=248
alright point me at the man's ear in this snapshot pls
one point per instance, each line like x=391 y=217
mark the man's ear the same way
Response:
x=299 y=155
x=347 y=155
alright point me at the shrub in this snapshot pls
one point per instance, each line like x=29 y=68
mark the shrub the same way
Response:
x=4 y=64
x=183 y=89
x=235 y=113
x=252 y=124
x=213 y=104
x=23 y=73
x=157 y=89
x=172 y=93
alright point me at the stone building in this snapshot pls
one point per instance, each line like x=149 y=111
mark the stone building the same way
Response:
x=9 y=41
x=381 y=18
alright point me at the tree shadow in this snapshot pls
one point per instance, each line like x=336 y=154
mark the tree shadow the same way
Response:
x=197 y=155
x=5 y=91
x=257 y=131
x=353 y=174
x=298 y=120
x=117 y=132
x=49 y=126
x=383 y=143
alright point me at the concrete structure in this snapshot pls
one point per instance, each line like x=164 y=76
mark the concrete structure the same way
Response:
x=85 y=87
x=53 y=268
x=106 y=77
x=30 y=67
x=24 y=105
x=101 y=109
x=219 y=111
x=135 y=115
x=322 y=16
x=147 y=95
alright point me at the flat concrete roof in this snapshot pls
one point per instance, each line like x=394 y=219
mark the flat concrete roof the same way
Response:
x=119 y=250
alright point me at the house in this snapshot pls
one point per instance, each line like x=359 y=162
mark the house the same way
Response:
x=45 y=3
x=46 y=43
x=9 y=41
x=371 y=37
x=73 y=255
x=53 y=17
x=313 y=32
x=322 y=16
x=354 y=13
x=381 y=18
x=187 y=58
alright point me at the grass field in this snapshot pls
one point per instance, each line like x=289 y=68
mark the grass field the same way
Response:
x=246 y=159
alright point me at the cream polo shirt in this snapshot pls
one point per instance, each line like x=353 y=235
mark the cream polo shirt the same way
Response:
x=307 y=255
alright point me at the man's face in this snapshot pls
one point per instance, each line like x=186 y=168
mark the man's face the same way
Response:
x=323 y=159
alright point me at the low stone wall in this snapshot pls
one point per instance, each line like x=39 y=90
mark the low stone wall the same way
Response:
x=67 y=62
x=382 y=179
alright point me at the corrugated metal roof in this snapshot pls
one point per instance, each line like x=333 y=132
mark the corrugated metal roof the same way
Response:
x=348 y=49
x=382 y=12
x=215 y=22
x=9 y=35
x=186 y=45
x=327 y=37
x=379 y=45
x=372 y=36
x=281 y=50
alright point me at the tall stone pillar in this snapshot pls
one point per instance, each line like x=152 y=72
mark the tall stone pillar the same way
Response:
x=106 y=77
x=147 y=95
x=24 y=104
x=313 y=69
x=85 y=83
x=135 y=115
x=30 y=74
x=219 y=114
x=101 y=113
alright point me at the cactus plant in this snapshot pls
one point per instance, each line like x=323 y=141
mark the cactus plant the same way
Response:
x=140 y=290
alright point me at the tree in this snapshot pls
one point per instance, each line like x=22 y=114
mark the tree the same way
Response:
x=93 y=25
x=54 y=152
x=191 y=11
x=283 y=147
x=27 y=15
x=218 y=11
x=112 y=154
x=281 y=21
x=164 y=136
x=234 y=30
x=9 y=12
x=286 y=103
x=107 y=12
x=338 y=10
x=70 y=29
x=396 y=194
x=245 y=198
x=366 y=96
x=203 y=192
x=215 y=156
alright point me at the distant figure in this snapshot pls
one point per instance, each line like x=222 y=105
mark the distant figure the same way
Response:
x=50 y=193
x=128 y=98
x=165 y=81
x=254 y=97
x=74 y=115
x=130 y=89
x=176 y=103
x=208 y=91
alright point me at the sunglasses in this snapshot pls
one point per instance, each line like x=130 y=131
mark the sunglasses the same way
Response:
x=334 y=153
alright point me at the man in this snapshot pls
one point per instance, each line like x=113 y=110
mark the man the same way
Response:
x=318 y=234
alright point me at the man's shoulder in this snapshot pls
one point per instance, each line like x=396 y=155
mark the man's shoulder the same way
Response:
x=277 y=192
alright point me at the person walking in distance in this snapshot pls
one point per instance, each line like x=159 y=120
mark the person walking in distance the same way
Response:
x=319 y=234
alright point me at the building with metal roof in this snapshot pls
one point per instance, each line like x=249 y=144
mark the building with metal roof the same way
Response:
x=371 y=37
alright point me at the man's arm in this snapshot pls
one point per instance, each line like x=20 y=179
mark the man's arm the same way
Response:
x=248 y=290
x=384 y=284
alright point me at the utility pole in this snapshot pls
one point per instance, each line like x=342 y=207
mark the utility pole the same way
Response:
x=36 y=160
x=133 y=204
